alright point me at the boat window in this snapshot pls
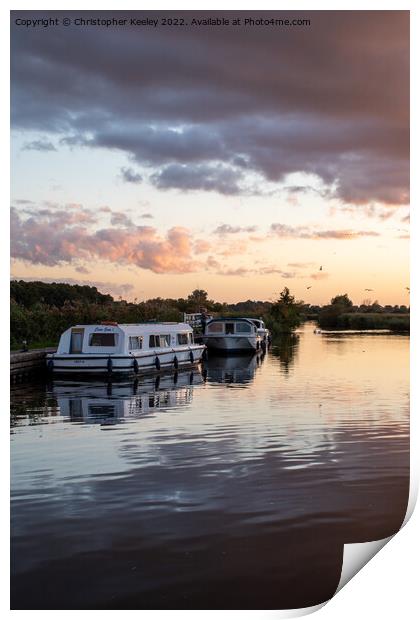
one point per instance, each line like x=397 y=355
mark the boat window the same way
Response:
x=159 y=341
x=215 y=328
x=102 y=340
x=165 y=341
x=229 y=328
x=243 y=328
x=136 y=342
x=183 y=338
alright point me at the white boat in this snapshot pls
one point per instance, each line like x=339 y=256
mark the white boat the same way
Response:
x=262 y=330
x=138 y=348
x=232 y=335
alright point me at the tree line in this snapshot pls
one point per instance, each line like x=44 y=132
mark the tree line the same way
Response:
x=41 y=311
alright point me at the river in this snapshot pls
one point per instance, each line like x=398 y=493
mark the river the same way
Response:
x=232 y=487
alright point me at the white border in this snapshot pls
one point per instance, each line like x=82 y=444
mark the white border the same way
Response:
x=387 y=586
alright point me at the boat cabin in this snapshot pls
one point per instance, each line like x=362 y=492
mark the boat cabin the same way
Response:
x=124 y=339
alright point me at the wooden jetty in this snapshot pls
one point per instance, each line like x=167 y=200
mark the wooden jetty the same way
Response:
x=25 y=363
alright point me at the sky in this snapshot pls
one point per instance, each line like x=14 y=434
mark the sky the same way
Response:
x=149 y=161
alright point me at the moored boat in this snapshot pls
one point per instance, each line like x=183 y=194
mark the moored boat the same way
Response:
x=138 y=348
x=262 y=330
x=232 y=335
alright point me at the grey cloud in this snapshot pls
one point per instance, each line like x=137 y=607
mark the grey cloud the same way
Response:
x=198 y=177
x=225 y=99
x=131 y=176
x=120 y=219
x=39 y=145
x=227 y=229
x=303 y=232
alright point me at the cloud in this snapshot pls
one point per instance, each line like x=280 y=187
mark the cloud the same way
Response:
x=300 y=265
x=51 y=238
x=22 y=201
x=201 y=246
x=219 y=178
x=42 y=145
x=319 y=275
x=121 y=219
x=370 y=211
x=227 y=229
x=209 y=112
x=303 y=232
x=131 y=176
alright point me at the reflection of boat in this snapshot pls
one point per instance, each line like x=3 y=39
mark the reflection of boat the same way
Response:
x=110 y=402
x=132 y=348
x=232 y=369
x=232 y=335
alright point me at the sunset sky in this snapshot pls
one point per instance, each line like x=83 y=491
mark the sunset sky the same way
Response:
x=152 y=161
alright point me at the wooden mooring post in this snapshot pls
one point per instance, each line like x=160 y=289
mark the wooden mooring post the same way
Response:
x=26 y=363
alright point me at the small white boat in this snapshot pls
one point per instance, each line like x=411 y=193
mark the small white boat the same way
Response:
x=232 y=335
x=262 y=330
x=138 y=348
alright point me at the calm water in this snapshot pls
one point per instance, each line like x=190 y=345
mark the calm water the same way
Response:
x=235 y=488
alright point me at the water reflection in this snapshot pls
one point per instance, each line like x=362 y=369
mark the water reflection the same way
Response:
x=232 y=369
x=234 y=492
x=285 y=348
x=103 y=402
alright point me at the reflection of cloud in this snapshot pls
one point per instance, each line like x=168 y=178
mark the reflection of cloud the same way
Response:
x=303 y=232
x=200 y=121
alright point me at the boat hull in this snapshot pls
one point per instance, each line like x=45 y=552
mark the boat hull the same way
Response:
x=150 y=362
x=233 y=344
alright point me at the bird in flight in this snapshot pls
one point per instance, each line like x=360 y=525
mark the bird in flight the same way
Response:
x=368 y=289
x=308 y=287
x=407 y=288
x=320 y=268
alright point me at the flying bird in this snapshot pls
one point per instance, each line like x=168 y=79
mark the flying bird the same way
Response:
x=368 y=289
x=308 y=287
x=320 y=268
x=407 y=288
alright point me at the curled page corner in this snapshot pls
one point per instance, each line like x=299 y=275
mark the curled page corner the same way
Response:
x=303 y=611
x=356 y=555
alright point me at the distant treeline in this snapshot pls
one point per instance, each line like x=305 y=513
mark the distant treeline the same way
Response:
x=41 y=311
x=341 y=313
